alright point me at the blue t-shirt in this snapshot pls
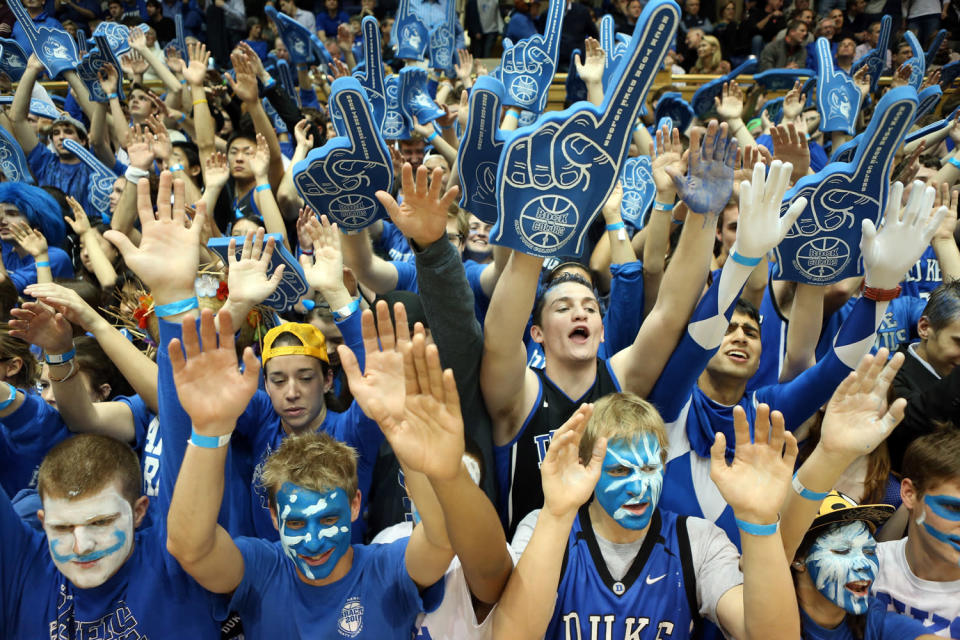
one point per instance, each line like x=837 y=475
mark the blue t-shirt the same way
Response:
x=328 y=24
x=26 y=435
x=376 y=599
x=72 y=179
x=23 y=269
x=897 y=326
x=881 y=625
x=923 y=277
x=407 y=281
x=395 y=244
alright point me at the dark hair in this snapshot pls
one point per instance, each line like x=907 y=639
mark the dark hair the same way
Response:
x=241 y=132
x=746 y=307
x=794 y=23
x=189 y=150
x=92 y=360
x=943 y=305
x=555 y=282
x=11 y=347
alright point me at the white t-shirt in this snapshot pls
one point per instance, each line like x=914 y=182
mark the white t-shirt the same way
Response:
x=455 y=618
x=936 y=604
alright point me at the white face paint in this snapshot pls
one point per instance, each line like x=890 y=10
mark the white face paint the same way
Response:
x=90 y=538
x=843 y=565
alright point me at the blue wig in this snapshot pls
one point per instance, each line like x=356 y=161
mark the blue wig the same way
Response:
x=38 y=207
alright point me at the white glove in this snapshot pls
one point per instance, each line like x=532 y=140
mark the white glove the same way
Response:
x=889 y=253
x=760 y=227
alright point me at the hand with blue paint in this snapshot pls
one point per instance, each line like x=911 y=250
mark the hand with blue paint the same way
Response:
x=567 y=482
x=527 y=67
x=838 y=98
x=889 y=253
x=756 y=483
x=708 y=184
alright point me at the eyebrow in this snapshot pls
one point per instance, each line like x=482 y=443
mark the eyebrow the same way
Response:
x=103 y=516
x=568 y=300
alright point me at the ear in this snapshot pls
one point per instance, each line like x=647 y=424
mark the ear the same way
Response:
x=908 y=494
x=355 y=507
x=194 y=171
x=140 y=510
x=14 y=366
x=328 y=380
x=103 y=391
x=536 y=333
x=40 y=516
x=923 y=327
x=798 y=566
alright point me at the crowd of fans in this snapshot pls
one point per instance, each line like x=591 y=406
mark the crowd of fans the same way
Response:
x=444 y=437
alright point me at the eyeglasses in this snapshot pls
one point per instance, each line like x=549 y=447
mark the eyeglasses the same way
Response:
x=455 y=238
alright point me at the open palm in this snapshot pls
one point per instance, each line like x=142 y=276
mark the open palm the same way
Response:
x=567 y=482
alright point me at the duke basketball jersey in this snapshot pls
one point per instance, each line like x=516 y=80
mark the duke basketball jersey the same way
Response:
x=655 y=600
x=518 y=463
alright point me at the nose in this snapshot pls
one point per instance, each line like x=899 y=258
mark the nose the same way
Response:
x=83 y=542
x=291 y=391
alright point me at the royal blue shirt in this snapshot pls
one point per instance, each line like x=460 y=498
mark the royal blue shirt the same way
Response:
x=72 y=179
x=23 y=269
x=881 y=625
x=328 y=24
x=26 y=435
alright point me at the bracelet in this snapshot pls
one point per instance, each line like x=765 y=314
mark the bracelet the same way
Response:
x=183 y=117
x=183 y=81
x=449 y=126
x=70 y=373
x=208 y=442
x=347 y=310
x=113 y=96
x=758 y=529
x=747 y=262
x=955 y=162
x=172 y=309
x=60 y=358
x=513 y=113
x=676 y=221
x=133 y=174
x=432 y=136
x=662 y=206
x=306 y=252
x=42 y=263
x=881 y=295
x=807 y=494
x=13 y=396
x=269 y=84
x=616 y=226
x=262 y=187
x=200 y=101
x=176 y=167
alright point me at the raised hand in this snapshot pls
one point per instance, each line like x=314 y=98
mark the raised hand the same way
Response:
x=216 y=171
x=527 y=67
x=838 y=97
x=747 y=158
x=212 y=389
x=301 y=133
x=949 y=199
x=862 y=79
x=174 y=61
x=709 y=181
x=464 y=68
x=669 y=153
x=304 y=234
x=137 y=40
x=858 y=418
x=901 y=77
x=793 y=102
x=30 y=240
x=67 y=303
x=39 y=325
x=567 y=482
x=890 y=252
x=196 y=72
x=140 y=148
x=422 y=216
x=591 y=69
x=135 y=64
x=755 y=484
x=729 y=104
x=324 y=269
x=108 y=78
x=247 y=278
x=260 y=165
x=760 y=227
x=161 y=146
x=245 y=86
x=80 y=223
x=790 y=146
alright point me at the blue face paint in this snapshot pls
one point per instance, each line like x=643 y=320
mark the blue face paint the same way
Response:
x=843 y=564
x=313 y=523
x=632 y=474
x=89 y=557
x=948 y=508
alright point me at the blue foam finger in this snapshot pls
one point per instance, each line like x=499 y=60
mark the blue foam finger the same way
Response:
x=100 y=183
x=526 y=118
x=396 y=123
x=672 y=106
x=949 y=73
x=527 y=68
x=179 y=39
x=275 y=119
x=81 y=42
x=846 y=151
x=823 y=246
x=39 y=108
x=13 y=59
x=702 y=100
x=296 y=37
x=12 y=161
x=443 y=40
x=934 y=47
x=90 y=66
x=553 y=178
x=341 y=177
x=292 y=287
x=480 y=148
x=371 y=76
x=933 y=127
x=876 y=59
x=287 y=83
x=412 y=36
x=319 y=50
x=929 y=98
x=782 y=79
x=916 y=61
x=54 y=47
x=838 y=98
x=639 y=190
x=415 y=102
x=117 y=35
x=612 y=45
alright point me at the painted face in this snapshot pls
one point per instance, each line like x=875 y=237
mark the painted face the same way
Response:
x=90 y=538
x=843 y=565
x=944 y=523
x=314 y=528
x=631 y=480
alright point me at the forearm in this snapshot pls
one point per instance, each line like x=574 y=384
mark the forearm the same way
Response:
x=949 y=172
x=192 y=519
x=102 y=268
x=803 y=330
x=139 y=370
x=44 y=273
x=757 y=284
x=80 y=92
x=161 y=69
x=655 y=245
x=595 y=92
x=203 y=122
x=370 y=269
x=267 y=204
x=445 y=149
x=126 y=212
x=118 y=119
x=948 y=255
x=840 y=138
x=769 y=599
x=263 y=126
x=818 y=474
x=22 y=130
x=191 y=191
x=742 y=134
x=529 y=598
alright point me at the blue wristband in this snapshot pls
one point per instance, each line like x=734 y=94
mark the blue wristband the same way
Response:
x=183 y=117
x=805 y=493
x=661 y=206
x=747 y=262
x=758 y=529
x=432 y=136
x=512 y=113
x=112 y=96
x=172 y=309
x=209 y=442
x=13 y=396
x=42 y=263
x=269 y=84
x=347 y=310
x=955 y=162
x=262 y=187
x=61 y=358
x=183 y=81
x=616 y=226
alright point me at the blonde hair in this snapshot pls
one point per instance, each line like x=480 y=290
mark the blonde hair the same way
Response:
x=620 y=417
x=709 y=66
x=314 y=461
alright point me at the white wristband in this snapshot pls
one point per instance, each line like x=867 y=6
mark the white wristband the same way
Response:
x=134 y=174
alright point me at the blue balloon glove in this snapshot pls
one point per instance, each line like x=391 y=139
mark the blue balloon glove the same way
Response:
x=415 y=102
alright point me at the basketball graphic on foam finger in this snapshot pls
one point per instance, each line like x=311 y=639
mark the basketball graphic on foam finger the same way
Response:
x=546 y=222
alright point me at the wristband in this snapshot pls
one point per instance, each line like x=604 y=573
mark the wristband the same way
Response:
x=747 y=262
x=513 y=113
x=113 y=96
x=183 y=117
x=133 y=174
x=445 y=127
x=306 y=252
x=176 y=167
x=676 y=220
x=663 y=206
x=955 y=162
x=881 y=295
x=172 y=309
x=201 y=101
x=183 y=81
x=807 y=494
x=432 y=136
x=347 y=310
x=262 y=187
x=269 y=84
x=42 y=263
x=758 y=529
x=209 y=442
x=70 y=373
x=61 y=358
x=616 y=226
x=13 y=396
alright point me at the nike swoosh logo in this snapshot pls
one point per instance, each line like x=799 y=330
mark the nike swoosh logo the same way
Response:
x=655 y=580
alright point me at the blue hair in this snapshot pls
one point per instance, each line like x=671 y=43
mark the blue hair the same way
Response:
x=38 y=207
